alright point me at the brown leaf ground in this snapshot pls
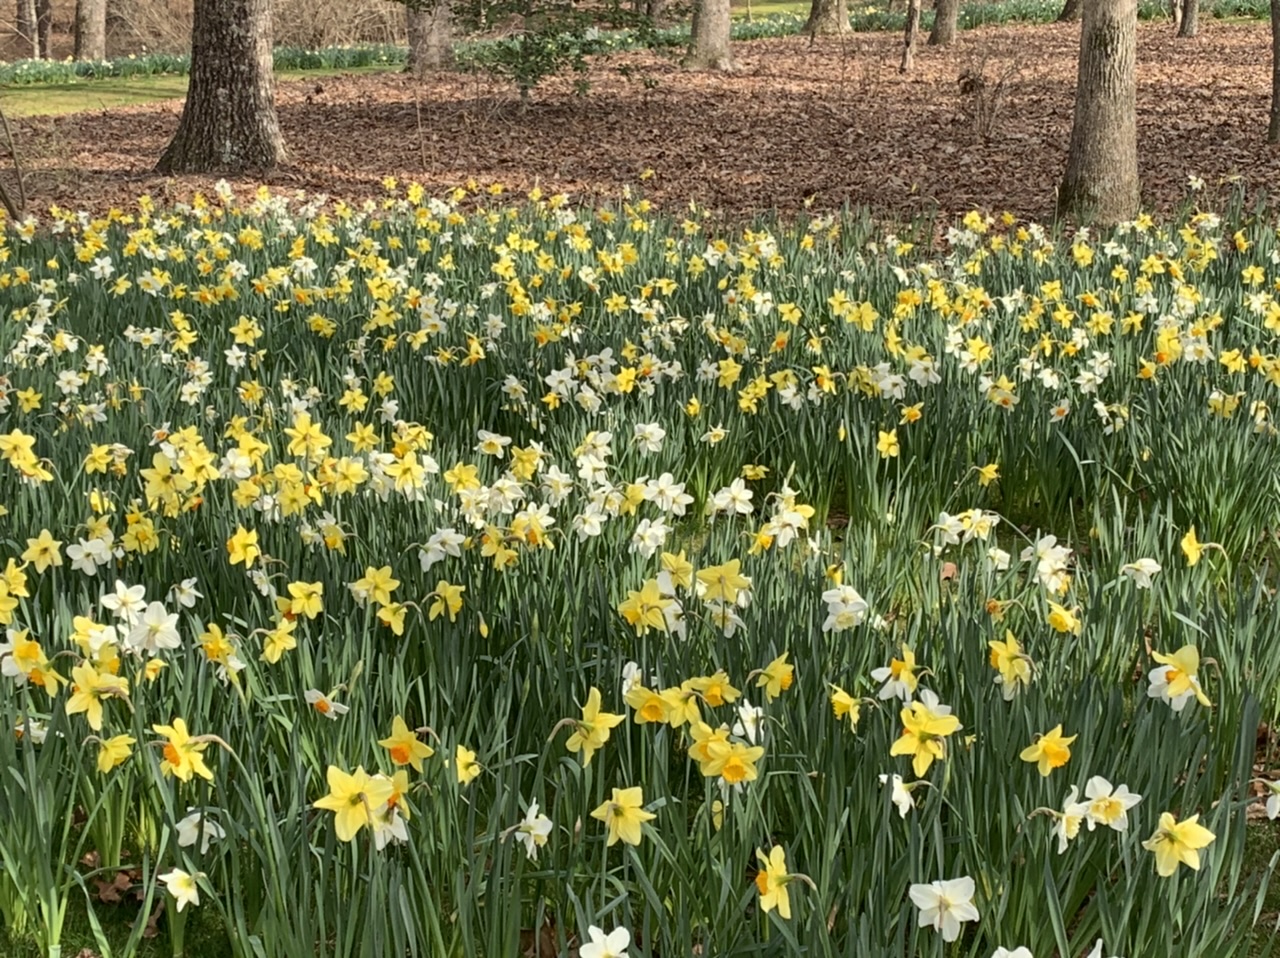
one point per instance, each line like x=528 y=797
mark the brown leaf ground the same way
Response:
x=835 y=122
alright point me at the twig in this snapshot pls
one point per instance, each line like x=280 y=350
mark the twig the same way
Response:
x=15 y=210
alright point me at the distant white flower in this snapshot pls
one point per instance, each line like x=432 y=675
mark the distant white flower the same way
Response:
x=1097 y=950
x=1109 y=805
x=1067 y=822
x=198 y=826
x=182 y=887
x=945 y=905
x=749 y=721
x=899 y=794
x=324 y=705
x=155 y=630
x=127 y=602
x=1273 y=799
x=185 y=593
x=1141 y=572
x=612 y=945
x=1016 y=953
x=533 y=831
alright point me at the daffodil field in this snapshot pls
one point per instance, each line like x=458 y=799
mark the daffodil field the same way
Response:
x=482 y=576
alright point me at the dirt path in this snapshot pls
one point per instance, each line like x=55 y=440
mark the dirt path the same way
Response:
x=834 y=124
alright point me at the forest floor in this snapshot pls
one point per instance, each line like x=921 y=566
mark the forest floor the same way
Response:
x=827 y=124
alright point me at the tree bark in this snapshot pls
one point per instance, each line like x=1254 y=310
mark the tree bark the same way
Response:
x=44 y=28
x=1070 y=12
x=655 y=9
x=430 y=39
x=91 y=29
x=27 y=26
x=1273 y=130
x=911 y=36
x=1101 y=180
x=229 y=122
x=828 y=16
x=1190 y=25
x=709 y=39
x=946 y=14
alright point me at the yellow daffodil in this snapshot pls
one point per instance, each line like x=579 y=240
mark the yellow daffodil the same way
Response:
x=772 y=880
x=592 y=730
x=623 y=815
x=776 y=677
x=924 y=734
x=114 y=751
x=354 y=798
x=1176 y=842
x=405 y=746
x=1049 y=751
x=183 y=754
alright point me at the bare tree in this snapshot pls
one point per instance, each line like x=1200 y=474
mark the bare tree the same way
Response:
x=91 y=29
x=26 y=25
x=1189 y=24
x=946 y=14
x=430 y=38
x=709 y=39
x=828 y=16
x=1101 y=180
x=1071 y=11
x=1273 y=130
x=910 y=37
x=44 y=28
x=229 y=122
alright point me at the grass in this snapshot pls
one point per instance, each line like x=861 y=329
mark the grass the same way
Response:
x=82 y=96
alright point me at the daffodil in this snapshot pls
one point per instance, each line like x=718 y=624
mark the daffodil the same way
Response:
x=1176 y=842
x=776 y=677
x=592 y=730
x=924 y=735
x=89 y=688
x=845 y=706
x=405 y=746
x=899 y=676
x=448 y=597
x=465 y=765
x=1109 y=805
x=623 y=815
x=733 y=762
x=182 y=886
x=1175 y=680
x=43 y=552
x=182 y=754
x=1049 y=751
x=242 y=547
x=114 y=751
x=354 y=798
x=1012 y=664
x=645 y=609
x=772 y=880
x=945 y=905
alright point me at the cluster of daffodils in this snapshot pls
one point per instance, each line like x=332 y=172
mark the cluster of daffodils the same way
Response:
x=363 y=473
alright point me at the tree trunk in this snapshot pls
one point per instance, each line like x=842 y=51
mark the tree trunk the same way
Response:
x=655 y=9
x=27 y=26
x=1070 y=12
x=709 y=39
x=91 y=29
x=430 y=39
x=1190 y=18
x=1175 y=11
x=1273 y=130
x=44 y=28
x=828 y=16
x=911 y=36
x=946 y=13
x=229 y=122
x=1101 y=181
